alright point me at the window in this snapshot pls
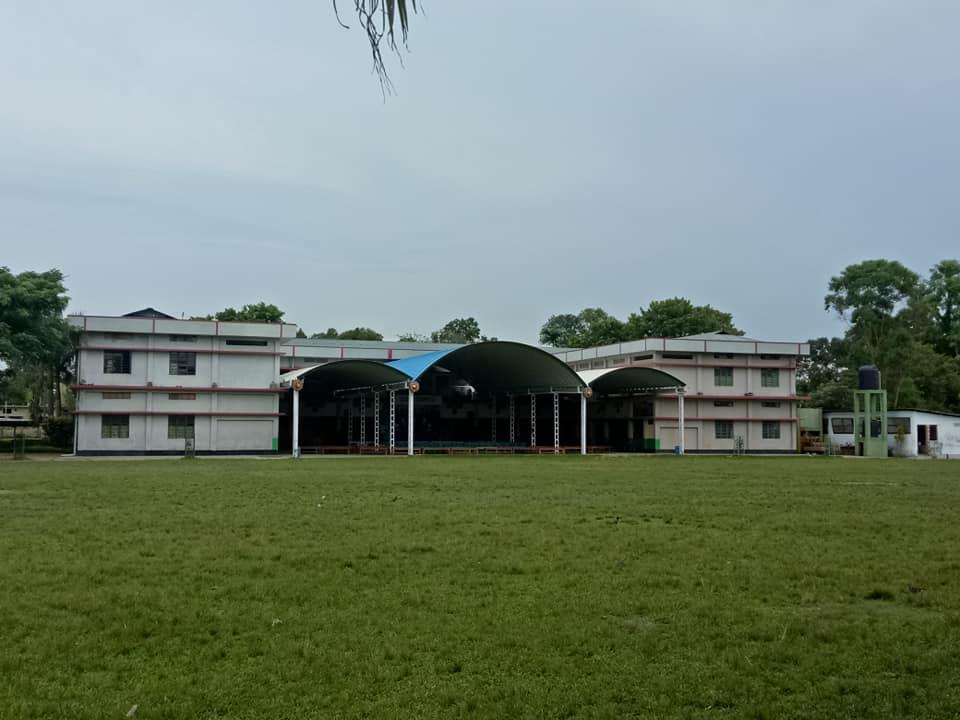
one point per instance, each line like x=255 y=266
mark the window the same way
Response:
x=254 y=343
x=182 y=396
x=640 y=358
x=677 y=356
x=771 y=430
x=842 y=425
x=183 y=338
x=183 y=363
x=894 y=423
x=723 y=356
x=769 y=357
x=723 y=403
x=723 y=377
x=769 y=404
x=116 y=396
x=179 y=427
x=116 y=362
x=115 y=426
x=932 y=433
x=770 y=377
x=723 y=429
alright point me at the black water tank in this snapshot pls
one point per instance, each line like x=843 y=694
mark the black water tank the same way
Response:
x=869 y=378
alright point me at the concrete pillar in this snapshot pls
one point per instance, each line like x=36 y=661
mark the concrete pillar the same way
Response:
x=583 y=421
x=680 y=421
x=297 y=386
x=410 y=421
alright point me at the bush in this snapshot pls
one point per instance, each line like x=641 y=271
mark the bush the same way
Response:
x=59 y=432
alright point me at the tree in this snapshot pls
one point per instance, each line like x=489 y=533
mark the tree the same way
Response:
x=943 y=293
x=257 y=312
x=36 y=344
x=379 y=18
x=300 y=333
x=871 y=290
x=328 y=334
x=600 y=328
x=458 y=330
x=589 y=327
x=565 y=330
x=676 y=317
x=32 y=328
x=826 y=374
x=360 y=333
x=882 y=301
x=412 y=337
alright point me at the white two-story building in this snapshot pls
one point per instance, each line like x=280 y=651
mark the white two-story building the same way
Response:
x=147 y=382
x=741 y=394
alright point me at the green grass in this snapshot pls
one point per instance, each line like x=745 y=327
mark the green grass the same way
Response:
x=481 y=587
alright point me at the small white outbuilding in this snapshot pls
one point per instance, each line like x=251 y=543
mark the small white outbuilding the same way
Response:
x=911 y=433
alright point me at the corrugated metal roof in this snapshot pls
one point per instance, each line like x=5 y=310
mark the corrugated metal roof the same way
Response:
x=631 y=378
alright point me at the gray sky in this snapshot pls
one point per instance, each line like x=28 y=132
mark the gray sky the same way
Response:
x=539 y=157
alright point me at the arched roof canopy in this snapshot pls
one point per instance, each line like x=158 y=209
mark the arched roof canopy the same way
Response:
x=340 y=375
x=630 y=379
x=498 y=367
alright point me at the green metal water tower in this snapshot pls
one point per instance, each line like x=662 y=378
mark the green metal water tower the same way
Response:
x=870 y=414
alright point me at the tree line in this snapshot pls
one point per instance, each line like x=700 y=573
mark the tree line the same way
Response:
x=905 y=324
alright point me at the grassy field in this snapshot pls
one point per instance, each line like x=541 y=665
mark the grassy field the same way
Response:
x=485 y=587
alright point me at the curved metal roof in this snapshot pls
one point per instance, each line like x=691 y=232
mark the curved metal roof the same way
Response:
x=612 y=381
x=347 y=374
x=497 y=366
x=491 y=367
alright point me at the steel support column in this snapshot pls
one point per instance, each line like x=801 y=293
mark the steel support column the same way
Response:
x=393 y=421
x=556 y=423
x=513 y=421
x=533 y=420
x=493 y=419
x=376 y=421
x=349 y=421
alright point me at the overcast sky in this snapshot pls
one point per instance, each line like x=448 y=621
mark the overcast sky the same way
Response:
x=539 y=157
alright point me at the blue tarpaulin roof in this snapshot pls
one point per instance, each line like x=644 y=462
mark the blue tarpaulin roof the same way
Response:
x=415 y=366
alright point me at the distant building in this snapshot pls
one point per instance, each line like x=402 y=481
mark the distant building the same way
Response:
x=910 y=433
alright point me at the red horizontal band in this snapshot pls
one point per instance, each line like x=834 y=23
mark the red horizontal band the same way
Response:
x=199 y=351
x=765 y=398
x=674 y=363
x=667 y=418
x=177 y=389
x=183 y=411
